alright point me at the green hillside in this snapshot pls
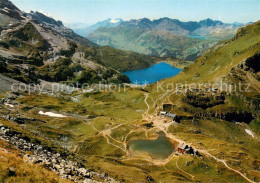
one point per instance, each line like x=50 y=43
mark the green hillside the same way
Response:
x=214 y=122
x=150 y=42
x=214 y=106
x=228 y=64
x=221 y=60
x=118 y=59
x=26 y=56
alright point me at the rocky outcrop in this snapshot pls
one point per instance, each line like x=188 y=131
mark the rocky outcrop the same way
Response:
x=43 y=18
x=65 y=168
x=204 y=101
x=8 y=8
x=58 y=28
x=253 y=63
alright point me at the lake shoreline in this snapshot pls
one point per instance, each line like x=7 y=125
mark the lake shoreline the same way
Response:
x=159 y=148
x=152 y=74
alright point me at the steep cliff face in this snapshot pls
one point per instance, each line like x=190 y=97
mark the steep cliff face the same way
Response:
x=44 y=18
x=10 y=15
x=57 y=27
x=8 y=4
x=9 y=9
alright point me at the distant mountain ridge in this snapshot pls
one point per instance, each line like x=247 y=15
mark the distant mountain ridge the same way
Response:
x=176 y=26
x=86 y=135
x=165 y=37
x=76 y=25
x=34 y=47
x=85 y=31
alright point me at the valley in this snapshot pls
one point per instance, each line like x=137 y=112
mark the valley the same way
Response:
x=98 y=140
x=71 y=112
x=164 y=37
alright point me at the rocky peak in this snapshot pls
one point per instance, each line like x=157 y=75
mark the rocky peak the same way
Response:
x=9 y=9
x=209 y=22
x=8 y=4
x=171 y=24
x=116 y=20
x=140 y=23
x=42 y=18
x=145 y=20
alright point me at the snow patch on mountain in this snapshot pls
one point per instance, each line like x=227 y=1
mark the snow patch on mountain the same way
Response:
x=114 y=21
x=51 y=114
x=44 y=13
x=249 y=132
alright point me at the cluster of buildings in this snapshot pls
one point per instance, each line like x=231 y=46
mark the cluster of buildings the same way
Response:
x=168 y=114
x=186 y=149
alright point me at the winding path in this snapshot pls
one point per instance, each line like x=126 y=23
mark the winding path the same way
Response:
x=148 y=106
x=181 y=141
x=192 y=176
x=226 y=165
x=107 y=134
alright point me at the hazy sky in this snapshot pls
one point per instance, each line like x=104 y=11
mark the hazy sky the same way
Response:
x=92 y=11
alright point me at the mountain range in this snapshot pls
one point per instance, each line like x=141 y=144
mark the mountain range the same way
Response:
x=86 y=30
x=44 y=46
x=176 y=26
x=208 y=116
x=165 y=37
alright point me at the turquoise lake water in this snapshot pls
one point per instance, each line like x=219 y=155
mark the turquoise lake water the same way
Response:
x=152 y=74
x=161 y=148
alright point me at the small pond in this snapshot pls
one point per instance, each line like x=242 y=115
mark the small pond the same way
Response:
x=160 y=148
